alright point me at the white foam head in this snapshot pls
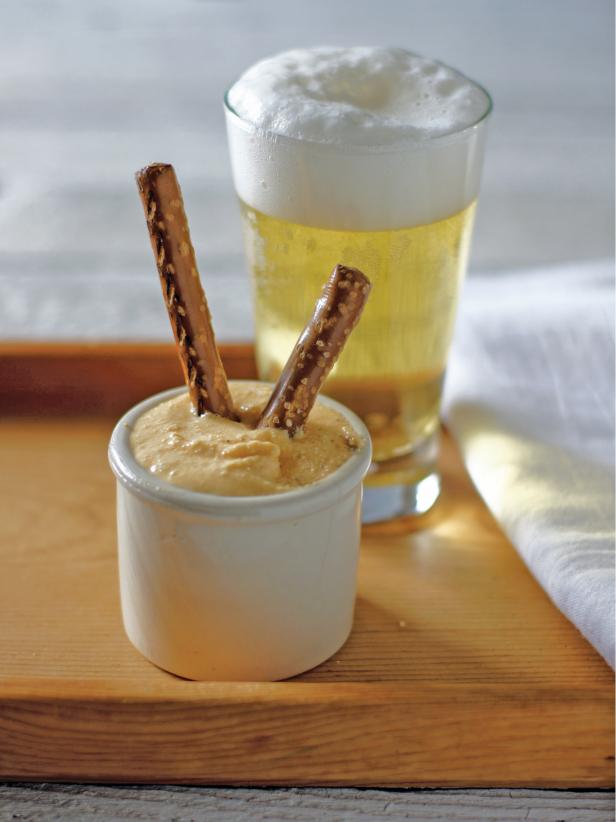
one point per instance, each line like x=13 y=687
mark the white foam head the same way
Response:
x=362 y=138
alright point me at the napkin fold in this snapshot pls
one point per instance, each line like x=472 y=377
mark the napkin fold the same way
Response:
x=529 y=397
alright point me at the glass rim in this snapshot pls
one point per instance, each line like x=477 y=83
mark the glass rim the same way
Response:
x=369 y=148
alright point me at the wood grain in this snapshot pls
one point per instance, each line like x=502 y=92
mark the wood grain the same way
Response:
x=459 y=670
x=61 y=379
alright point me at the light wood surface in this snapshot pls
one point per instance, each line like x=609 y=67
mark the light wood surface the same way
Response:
x=459 y=671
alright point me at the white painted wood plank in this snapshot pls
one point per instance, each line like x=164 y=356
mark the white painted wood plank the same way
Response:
x=112 y=307
x=92 y=91
x=106 y=803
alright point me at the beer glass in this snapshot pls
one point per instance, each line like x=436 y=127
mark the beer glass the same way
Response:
x=403 y=214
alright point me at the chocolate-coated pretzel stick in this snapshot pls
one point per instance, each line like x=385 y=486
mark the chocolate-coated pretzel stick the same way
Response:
x=317 y=349
x=188 y=309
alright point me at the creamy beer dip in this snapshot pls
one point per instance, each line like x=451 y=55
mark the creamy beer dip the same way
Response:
x=216 y=455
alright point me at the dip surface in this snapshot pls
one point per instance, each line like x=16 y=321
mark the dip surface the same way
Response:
x=215 y=455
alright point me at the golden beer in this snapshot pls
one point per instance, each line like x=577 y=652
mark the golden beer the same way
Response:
x=391 y=370
x=368 y=157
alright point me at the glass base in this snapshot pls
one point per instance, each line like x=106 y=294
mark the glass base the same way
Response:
x=405 y=486
x=391 y=501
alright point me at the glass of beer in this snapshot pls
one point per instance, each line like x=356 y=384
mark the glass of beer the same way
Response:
x=371 y=158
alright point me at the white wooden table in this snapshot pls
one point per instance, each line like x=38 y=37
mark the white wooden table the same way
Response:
x=94 y=803
x=89 y=92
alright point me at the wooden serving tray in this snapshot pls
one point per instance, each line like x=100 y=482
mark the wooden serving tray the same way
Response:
x=459 y=671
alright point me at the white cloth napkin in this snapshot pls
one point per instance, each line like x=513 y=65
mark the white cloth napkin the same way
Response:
x=530 y=399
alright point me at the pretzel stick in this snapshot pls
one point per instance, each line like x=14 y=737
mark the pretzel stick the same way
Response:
x=182 y=291
x=336 y=314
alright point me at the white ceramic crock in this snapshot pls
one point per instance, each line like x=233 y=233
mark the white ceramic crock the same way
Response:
x=236 y=588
